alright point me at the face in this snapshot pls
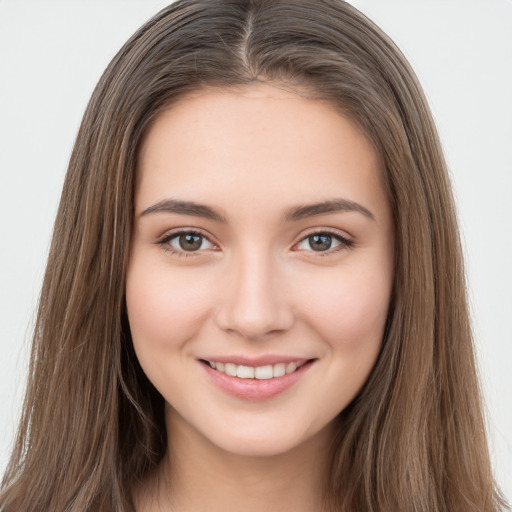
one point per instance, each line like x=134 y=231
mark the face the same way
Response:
x=261 y=266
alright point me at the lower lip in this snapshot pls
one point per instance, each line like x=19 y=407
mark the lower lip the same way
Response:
x=255 y=389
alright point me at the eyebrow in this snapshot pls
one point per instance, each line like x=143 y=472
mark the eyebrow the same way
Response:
x=331 y=206
x=293 y=214
x=184 y=208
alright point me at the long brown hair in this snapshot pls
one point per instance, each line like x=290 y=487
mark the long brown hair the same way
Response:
x=92 y=424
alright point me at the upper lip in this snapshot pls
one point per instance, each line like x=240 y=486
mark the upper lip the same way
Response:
x=264 y=360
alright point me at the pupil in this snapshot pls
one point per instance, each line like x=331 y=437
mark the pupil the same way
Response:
x=320 y=242
x=189 y=242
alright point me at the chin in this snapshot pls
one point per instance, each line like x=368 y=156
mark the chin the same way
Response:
x=267 y=440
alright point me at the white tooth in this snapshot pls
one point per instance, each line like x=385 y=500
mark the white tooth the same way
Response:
x=245 y=372
x=212 y=364
x=291 y=367
x=263 y=372
x=279 y=370
x=230 y=369
x=219 y=366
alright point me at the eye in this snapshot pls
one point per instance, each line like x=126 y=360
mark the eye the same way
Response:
x=186 y=242
x=323 y=242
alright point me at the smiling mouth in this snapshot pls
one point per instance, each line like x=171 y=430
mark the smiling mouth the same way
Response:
x=266 y=372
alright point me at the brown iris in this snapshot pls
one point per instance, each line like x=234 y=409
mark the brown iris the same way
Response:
x=190 y=241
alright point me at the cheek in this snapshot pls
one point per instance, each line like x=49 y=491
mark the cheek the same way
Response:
x=165 y=307
x=348 y=313
x=349 y=310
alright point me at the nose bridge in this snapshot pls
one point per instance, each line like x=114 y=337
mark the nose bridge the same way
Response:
x=254 y=302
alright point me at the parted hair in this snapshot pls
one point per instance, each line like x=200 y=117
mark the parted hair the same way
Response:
x=92 y=425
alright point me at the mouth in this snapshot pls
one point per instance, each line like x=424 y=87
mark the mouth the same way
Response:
x=256 y=383
x=266 y=372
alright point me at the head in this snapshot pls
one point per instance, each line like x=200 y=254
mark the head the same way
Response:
x=325 y=52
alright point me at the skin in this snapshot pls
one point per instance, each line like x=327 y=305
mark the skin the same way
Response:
x=255 y=287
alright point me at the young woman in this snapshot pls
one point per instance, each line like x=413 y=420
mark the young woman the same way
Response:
x=255 y=296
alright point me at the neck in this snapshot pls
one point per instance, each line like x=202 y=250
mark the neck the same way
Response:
x=199 y=476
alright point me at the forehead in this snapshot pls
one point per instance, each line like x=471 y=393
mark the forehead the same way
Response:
x=256 y=141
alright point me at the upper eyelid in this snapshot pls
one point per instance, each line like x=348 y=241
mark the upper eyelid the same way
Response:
x=331 y=231
x=178 y=231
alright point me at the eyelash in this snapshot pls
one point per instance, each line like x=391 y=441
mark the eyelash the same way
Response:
x=164 y=242
x=344 y=243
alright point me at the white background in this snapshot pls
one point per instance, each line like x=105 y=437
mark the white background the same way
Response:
x=52 y=54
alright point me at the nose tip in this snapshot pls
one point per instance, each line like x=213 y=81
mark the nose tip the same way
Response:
x=254 y=316
x=252 y=330
x=254 y=305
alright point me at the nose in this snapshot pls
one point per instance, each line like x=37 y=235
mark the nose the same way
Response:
x=254 y=301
